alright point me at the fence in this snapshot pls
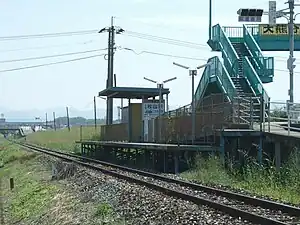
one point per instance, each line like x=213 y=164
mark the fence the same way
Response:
x=212 y=113
x=270 y=116
x=284 y=118
x=249 y=110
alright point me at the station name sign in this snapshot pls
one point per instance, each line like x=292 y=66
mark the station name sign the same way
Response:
x=277 y=29
x=151 y=109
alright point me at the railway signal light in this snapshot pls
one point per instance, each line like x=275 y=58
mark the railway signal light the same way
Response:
x=290 y=63
x=250 y=15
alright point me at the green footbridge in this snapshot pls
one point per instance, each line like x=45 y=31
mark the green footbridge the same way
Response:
x=243 y=69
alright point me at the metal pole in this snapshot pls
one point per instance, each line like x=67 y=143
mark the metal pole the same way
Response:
x=108 y=77
x=269 y=119
x=119 y=114
x=54 y=122
x=111 y=82
x=167 y=102
x=210 y=19
x=291 y=39
x=121 y=109
x=159 y=108
x=289 y=117
x=80 y=133
x=46 y=121
x=95 y=113
x=193 y=109
x=264 y=113
x=68 y=118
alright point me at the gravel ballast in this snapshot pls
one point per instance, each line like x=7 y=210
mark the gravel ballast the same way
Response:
x=140 y=205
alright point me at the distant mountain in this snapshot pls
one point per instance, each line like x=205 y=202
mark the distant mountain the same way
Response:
x=31 y=115
x=76 y=121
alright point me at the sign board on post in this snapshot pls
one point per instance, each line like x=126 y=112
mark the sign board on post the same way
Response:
x=150 y=110
x=272 y=12
x=277 y=29
x=255 y=19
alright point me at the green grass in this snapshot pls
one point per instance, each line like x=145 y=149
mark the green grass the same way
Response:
x=32 y=191
x=282 y=185
x=64 y=139
x=13 y=154
x=36 y=197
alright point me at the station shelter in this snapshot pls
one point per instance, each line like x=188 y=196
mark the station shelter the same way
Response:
x=135 y=117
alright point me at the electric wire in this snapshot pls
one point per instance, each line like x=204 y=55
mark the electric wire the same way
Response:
x=52 y=56
x=47 y=35
x=176 y=42
x=164 y=54
x=183 y=57
x=166 y=42
x=165 y=38
x=155 y=25
x=49 y=64
x=46 y=46
x=181 y=43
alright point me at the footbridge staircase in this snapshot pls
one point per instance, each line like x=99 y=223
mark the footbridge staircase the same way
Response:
x=240 y=73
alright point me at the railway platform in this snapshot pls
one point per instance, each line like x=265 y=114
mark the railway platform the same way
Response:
x=167 y=158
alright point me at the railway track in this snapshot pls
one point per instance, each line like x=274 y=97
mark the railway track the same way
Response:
x=255 y=210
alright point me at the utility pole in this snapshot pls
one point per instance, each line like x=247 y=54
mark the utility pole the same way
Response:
x=95 y=113
x=291 y=57
x=54 y=122
x=46 y=121
x=112 y=30
x=109 y=107
x=68 y=118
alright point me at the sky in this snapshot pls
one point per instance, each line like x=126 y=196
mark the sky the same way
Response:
x=74 y=84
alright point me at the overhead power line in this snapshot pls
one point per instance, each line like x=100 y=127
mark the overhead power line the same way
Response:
x=164 y=54
x=47 y=35
x=49 y=64
x=176 y=56
x=176 y=42
x=183 y=57
x=52 y=56
x=46 y=46
x=165 y=40
x=284 y=70
x=161 y=26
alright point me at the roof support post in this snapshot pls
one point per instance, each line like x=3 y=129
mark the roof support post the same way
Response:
x=129 y=121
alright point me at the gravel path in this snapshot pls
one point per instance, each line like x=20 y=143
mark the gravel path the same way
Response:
x=140 y=205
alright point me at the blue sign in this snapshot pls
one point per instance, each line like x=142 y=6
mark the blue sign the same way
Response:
x=253 y=19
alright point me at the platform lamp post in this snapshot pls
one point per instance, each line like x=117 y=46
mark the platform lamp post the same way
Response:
x=193 y=73
x=160 y=86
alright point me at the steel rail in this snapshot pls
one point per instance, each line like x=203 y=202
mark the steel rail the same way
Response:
x=197 y=200
x=290 y=210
